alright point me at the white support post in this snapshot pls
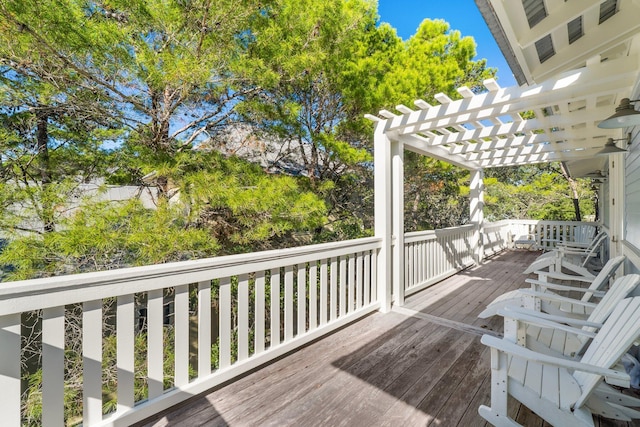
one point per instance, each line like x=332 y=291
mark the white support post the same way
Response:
x=397 y=218
x=476 y=213
x=382 y=212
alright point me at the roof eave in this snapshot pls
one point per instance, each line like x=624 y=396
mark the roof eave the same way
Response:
x=490 y=17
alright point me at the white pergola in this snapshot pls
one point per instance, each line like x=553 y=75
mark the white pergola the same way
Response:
x=488 y=130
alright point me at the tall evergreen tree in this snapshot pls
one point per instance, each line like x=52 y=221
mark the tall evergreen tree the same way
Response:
x=434 y=60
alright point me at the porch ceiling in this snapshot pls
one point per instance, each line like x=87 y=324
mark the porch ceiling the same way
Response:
x=555 y=120
x=541 y=38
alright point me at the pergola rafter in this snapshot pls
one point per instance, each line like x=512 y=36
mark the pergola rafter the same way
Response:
x=489 y=129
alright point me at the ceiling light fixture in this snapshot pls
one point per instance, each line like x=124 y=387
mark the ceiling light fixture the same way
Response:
x=611 y=148
x=597 y=174
x=625 y=116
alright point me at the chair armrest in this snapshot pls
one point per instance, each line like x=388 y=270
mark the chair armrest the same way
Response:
x=562 y=276
x=572 y=251
x=578 y=245
x=558 y=287
x=544 y=323
x=508 y=347
x=515 y=312
x=548 y=296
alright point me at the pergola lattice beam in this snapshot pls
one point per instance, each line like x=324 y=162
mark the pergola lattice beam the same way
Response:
x=417 y=144
x=525 y=159
x=605 y=78
x=552 y=144
x=487 y=129
x=563 y=121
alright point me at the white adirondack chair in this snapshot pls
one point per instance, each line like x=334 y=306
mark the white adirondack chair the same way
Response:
x=563 y=392
x=583 y=236
x=573 y=258
x=557 y=305
x=557 y=335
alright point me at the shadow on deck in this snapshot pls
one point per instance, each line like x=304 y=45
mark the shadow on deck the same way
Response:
x=422 y=364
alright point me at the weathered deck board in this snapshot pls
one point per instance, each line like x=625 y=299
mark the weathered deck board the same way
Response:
x=422 y=365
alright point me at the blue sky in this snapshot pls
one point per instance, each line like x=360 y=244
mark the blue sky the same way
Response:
x=462 y=15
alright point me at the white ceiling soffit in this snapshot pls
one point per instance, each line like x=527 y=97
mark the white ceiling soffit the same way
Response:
x=587 y=167
x=570 y=34
x=488 y=129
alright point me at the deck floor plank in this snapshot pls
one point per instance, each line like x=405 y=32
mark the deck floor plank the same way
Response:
x=366 y=393
x=405 y=367
x=329 y=386
x=454 y=402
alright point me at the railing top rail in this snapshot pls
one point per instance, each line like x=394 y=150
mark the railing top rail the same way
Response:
x=499 y=223
x=103 y=284
x=550 y=222
x=440 y=232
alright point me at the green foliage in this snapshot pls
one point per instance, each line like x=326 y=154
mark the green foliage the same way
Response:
x=165 y=67
x=102 y=236
x=32 y=397
x=533 y=192
x=435 y=59
x=436 y=194
x=236 y=201
x=317 y=84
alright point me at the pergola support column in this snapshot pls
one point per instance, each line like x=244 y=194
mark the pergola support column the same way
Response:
x=397 y=219
x=476 y=213
x=389 y=215
x=382 y=212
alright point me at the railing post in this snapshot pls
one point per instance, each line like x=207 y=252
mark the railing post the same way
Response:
x=382 y=211
x=10 y=369
x=92 y=362
x=53 y=366
x=476 y=214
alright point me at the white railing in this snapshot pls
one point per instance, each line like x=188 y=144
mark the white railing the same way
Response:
x=548 y=233
x=181 y=328
x=219 y=317
x=496 y=237
x=434 y=255
x=431 y=256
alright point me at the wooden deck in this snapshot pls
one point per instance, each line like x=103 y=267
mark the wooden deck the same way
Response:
x=422 y=364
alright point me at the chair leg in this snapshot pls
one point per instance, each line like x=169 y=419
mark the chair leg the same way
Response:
x=495 y=418
x=497 y=413
x=499 y=372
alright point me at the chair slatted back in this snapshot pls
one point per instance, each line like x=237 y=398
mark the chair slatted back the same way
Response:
x=620 y=289
x=617 y=335
x=605 y=275
x=594 y=248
